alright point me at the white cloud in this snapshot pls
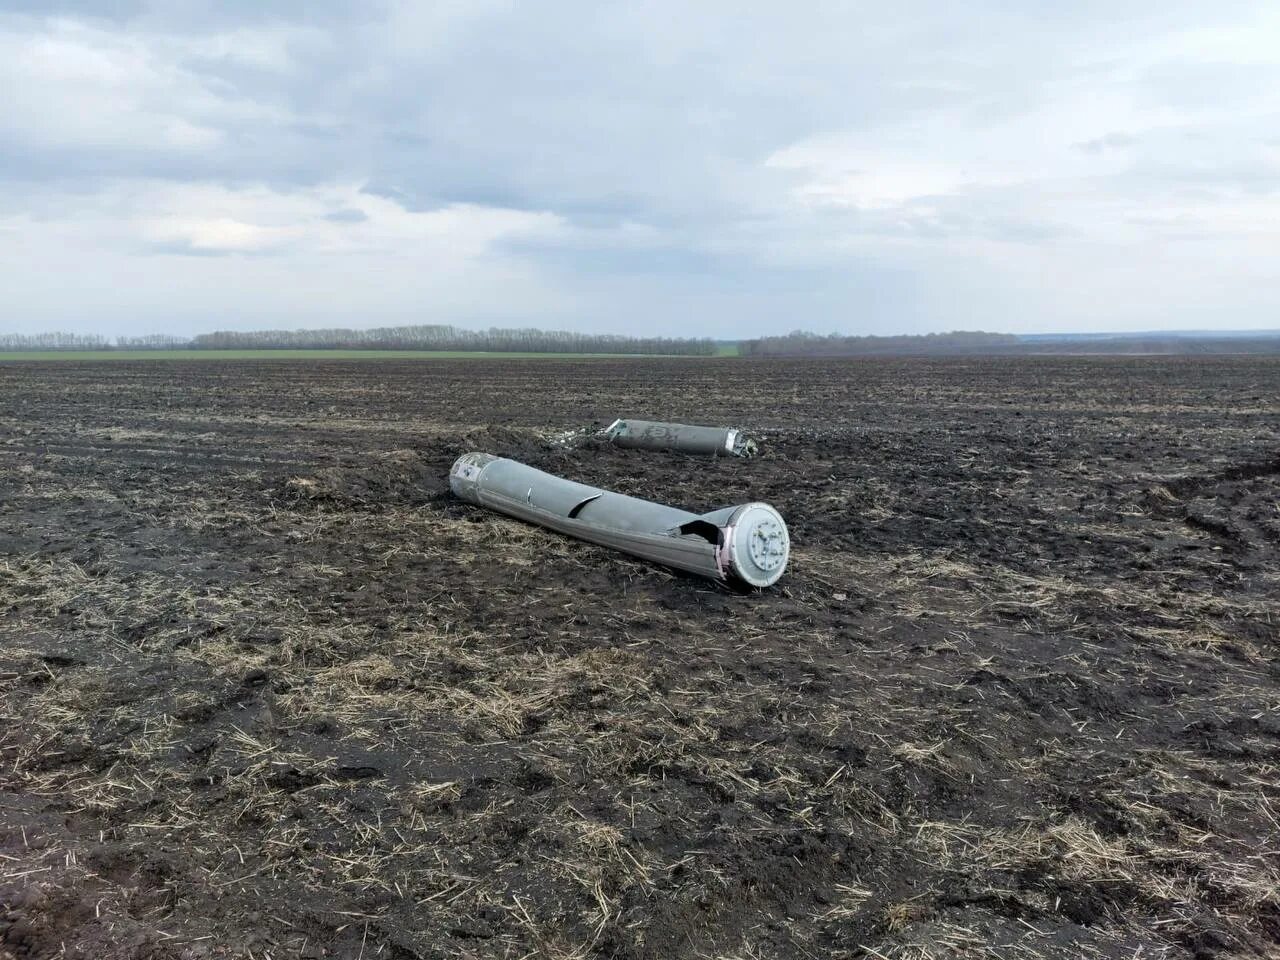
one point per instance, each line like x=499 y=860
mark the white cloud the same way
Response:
x=254 y=219
x=952 y=152
x=219 y=235
x=1093 y=186
x=682 y=169
x=249 y=256
x=1253 y=39
x=146 y=254
x=71 y=84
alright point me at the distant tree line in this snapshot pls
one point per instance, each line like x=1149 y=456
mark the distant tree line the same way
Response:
x=445 y=337
x=48 y=342
x=803 y=344
x=420 y=337
x=978 y=343
x=53 y=341
x=1265 y=344
x=154 y=341
x=797 y=344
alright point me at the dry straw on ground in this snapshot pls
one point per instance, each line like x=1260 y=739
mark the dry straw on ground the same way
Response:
x=266 y=691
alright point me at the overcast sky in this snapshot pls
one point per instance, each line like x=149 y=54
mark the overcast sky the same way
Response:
x=709 y=168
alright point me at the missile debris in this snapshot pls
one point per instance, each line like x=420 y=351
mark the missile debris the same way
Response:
x=680 y=437
x=746 y=544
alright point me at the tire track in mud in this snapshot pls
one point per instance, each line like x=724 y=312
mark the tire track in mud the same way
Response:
x=1235 y=505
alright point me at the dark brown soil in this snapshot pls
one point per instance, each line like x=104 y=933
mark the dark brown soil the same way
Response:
x=267 y=690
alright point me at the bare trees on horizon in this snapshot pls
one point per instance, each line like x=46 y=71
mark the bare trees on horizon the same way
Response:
x=441 y=337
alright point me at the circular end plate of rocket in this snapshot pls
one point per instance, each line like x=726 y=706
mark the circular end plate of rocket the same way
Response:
x=758 y=544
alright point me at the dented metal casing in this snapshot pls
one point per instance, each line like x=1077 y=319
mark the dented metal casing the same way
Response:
x=746 y=544
x=681 y=438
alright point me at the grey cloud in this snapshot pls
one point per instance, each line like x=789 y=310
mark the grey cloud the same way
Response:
x=1112 y=141
x=119 y=10
x=662 y=117
x=348 y=215
x=183 y=248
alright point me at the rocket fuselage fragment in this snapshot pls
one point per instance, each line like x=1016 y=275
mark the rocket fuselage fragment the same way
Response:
x=746 y=544
x=681 y=438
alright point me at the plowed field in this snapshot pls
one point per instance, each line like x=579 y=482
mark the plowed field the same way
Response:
x=268 y=690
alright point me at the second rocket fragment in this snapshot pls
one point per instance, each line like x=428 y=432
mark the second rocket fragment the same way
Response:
x=680 y=438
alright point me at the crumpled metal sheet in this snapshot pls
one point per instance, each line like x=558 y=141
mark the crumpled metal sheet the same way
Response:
x=746 y=544
x=681 y=438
